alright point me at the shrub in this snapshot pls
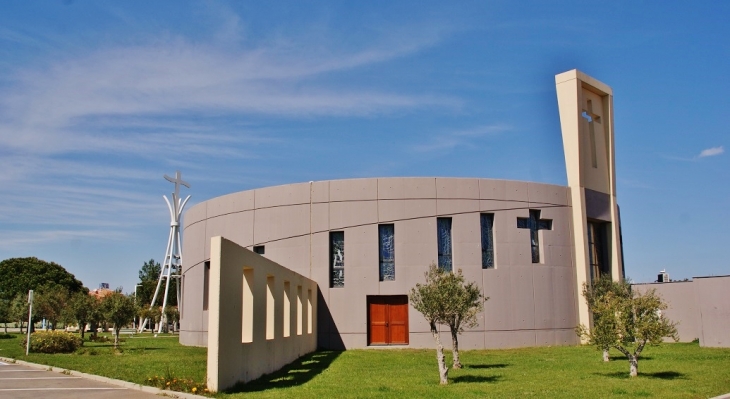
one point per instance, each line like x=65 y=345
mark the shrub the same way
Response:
x=53 y=342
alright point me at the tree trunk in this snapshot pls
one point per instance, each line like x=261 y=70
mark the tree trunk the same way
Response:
x=633 y=365
x=21 y=326
x=440 y=358
x=82 y=326
x=455 y=353
x=116 y=337
x=605 y=355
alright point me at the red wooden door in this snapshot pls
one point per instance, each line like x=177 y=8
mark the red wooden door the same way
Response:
x=388 y=320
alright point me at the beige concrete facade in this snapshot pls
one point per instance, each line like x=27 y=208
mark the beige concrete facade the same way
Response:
x=532 y=303
x=262 y=315
x=701 y=308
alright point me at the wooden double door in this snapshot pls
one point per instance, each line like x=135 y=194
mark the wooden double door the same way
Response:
x=387 y=320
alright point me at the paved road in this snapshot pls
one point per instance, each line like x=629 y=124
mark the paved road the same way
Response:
x=22 y=382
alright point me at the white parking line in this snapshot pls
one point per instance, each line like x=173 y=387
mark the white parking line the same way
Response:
x=38 y=378
x=61 y=389
x=22 y=371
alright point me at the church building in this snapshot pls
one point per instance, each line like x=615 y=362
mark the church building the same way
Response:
x=366 y=242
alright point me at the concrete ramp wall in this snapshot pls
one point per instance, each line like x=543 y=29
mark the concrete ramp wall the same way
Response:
x=261 y=316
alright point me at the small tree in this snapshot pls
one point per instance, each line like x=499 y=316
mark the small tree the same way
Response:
x=5 y=313
x=628 y=323
x=19 y=310
x=463 y=305
x=119 y=310
x=430 y=300
x=595 y=294
x=172 y=315
x=447 y=299
x=79 y=310
x=50 y=303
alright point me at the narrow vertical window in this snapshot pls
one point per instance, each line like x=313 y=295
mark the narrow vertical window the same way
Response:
x=487 y=227
x=309 y=311
x=247 y=306
x=299 y=310
x=386 y=250
x=206 y=284
x=270 y=307
x=596 y=250
x=337 y=259
x=443 y=226
x=287 y=309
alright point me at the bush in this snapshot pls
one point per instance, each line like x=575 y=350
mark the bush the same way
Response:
x=53 y=342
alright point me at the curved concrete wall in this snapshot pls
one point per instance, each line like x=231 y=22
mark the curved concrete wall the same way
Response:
x=531 y=304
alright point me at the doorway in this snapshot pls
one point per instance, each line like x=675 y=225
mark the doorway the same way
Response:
x=387 y=319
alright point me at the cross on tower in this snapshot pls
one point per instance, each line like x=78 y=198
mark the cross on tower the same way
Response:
x=535 y=224
x=592 y=118
x=178 y=181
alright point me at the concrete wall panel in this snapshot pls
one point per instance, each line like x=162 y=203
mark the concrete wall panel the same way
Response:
x=713 y=298
x=289 y=194
x=353 y=190
x=320 y=191
x=231 y=203
x=456 y=206
x=406 y=188
x=281 y=222
x=352 y=213
x=394 y=210
x=457 y=188
x=237 y=227
x=196 y=213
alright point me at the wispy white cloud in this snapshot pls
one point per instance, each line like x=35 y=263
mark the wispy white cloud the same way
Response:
x=466 y=138
x=711 y=152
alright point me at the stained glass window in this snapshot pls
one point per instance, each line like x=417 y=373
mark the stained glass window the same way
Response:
x=535 y=224
x=443 y=227
x=487 y=224
x=337 y=259
x=386 y=244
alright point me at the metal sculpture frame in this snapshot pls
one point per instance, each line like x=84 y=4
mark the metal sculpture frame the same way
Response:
x=172 y=267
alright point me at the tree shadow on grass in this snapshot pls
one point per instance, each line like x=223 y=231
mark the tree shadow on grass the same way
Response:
x=475 y=378
x=663 y=375
x=486 y=366
x=296 y=373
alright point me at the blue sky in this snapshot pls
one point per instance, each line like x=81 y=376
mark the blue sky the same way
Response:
x=99 y=99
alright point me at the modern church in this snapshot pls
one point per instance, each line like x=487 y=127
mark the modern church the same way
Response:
x=364 y=243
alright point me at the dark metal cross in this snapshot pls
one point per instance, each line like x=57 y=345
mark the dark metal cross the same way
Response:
x=535 y=224
x=178 y=181
x=592 y=118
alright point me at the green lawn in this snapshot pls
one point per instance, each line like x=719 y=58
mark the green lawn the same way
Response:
x=668 y=371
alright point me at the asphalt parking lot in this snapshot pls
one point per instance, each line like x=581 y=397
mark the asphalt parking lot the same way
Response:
x=18 y=381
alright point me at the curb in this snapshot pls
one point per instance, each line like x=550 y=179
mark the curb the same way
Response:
x=93 y=377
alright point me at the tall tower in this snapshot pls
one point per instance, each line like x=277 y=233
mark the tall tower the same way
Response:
x=586 y=120
x=172 y=266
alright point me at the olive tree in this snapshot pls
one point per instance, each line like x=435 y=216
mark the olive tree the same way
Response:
x=628 y=323
x=119 y=310
x=595 y=294
x=79 y=310
x=447 y=299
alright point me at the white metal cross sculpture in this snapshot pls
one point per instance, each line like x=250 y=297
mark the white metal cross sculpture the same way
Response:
x=172 y=268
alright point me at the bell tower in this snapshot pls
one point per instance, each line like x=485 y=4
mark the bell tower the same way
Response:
x=586 y=121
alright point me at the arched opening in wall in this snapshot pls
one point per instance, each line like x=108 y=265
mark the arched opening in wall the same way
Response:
x=206 y=284
x=598 y=249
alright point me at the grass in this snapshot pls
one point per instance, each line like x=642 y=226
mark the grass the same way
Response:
x=140 y=358
x=667 y=371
